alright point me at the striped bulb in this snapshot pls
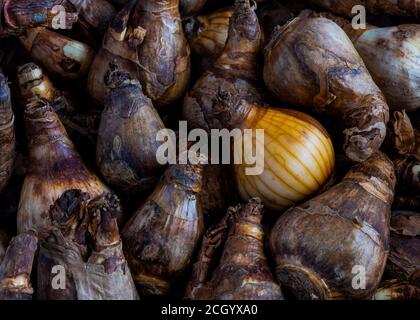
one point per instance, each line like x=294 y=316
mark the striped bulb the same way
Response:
x=298 y=157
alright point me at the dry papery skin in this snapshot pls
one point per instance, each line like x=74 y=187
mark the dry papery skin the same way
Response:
x=317 y=244
x=397 y=72
x=207 y=35
x=16 y=268
x=243 y=272
x=79 y=124
x=119 y=48
x=127 y=146
x=54 y=167
x=20 y=15
x=396 y=8
x=396 y=290
x=7 y=134
x=313 y=58
x=403 y=138
x=160 y=238
x=59 y=55
x=164 y=55
x=84 y=240
x=95 y=14
x=404 y=255
x=212 y=102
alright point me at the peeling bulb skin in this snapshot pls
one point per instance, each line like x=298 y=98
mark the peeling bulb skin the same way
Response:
x=127 y=146
x=59 y=55
x=162 y=235
x=318 y=245
x=233 y=78
x=404 y=255
x=54 y=167
x=7 y=134
x=313 y=58
x=164 y=55
x=80 y=123
x=16 y=268
x=243 y=272
x=84 y=240
x=207 y=35
x=408 y=8
x=119 y=48
x=20 y=15
x=395 y=290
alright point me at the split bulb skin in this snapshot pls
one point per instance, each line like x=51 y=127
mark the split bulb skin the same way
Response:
x=243 y=272
x=161 y=237
x=234 y=76
x=317 y=245
x=119 y=48
x=409 y=8
x=7 y=134
x=54 y=167
x=164 y=55
x=59 y=55
x=85 y=240
x=16 y=268
x=313 y=58
x=404 y=255
x=127 y=147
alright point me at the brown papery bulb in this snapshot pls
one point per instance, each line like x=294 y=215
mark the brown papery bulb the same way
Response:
x=320 y=246
x=7 y=134
x=20 y=15
x=160 y=238
x=397 y=73
x=390 y=7
x=127 y=145
x=81 y=123
x=404 y=255
x=84 y=240
x=234 y=76
x=16 y=268
x=59 y=55
x=311 y=62
x=54 y=167
x=97 y=14
x=207 y=35
x=119 y=47
x=243 y=272
x=164 y=55
x=34 y=83
x=396 y=290
x=191 y=7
